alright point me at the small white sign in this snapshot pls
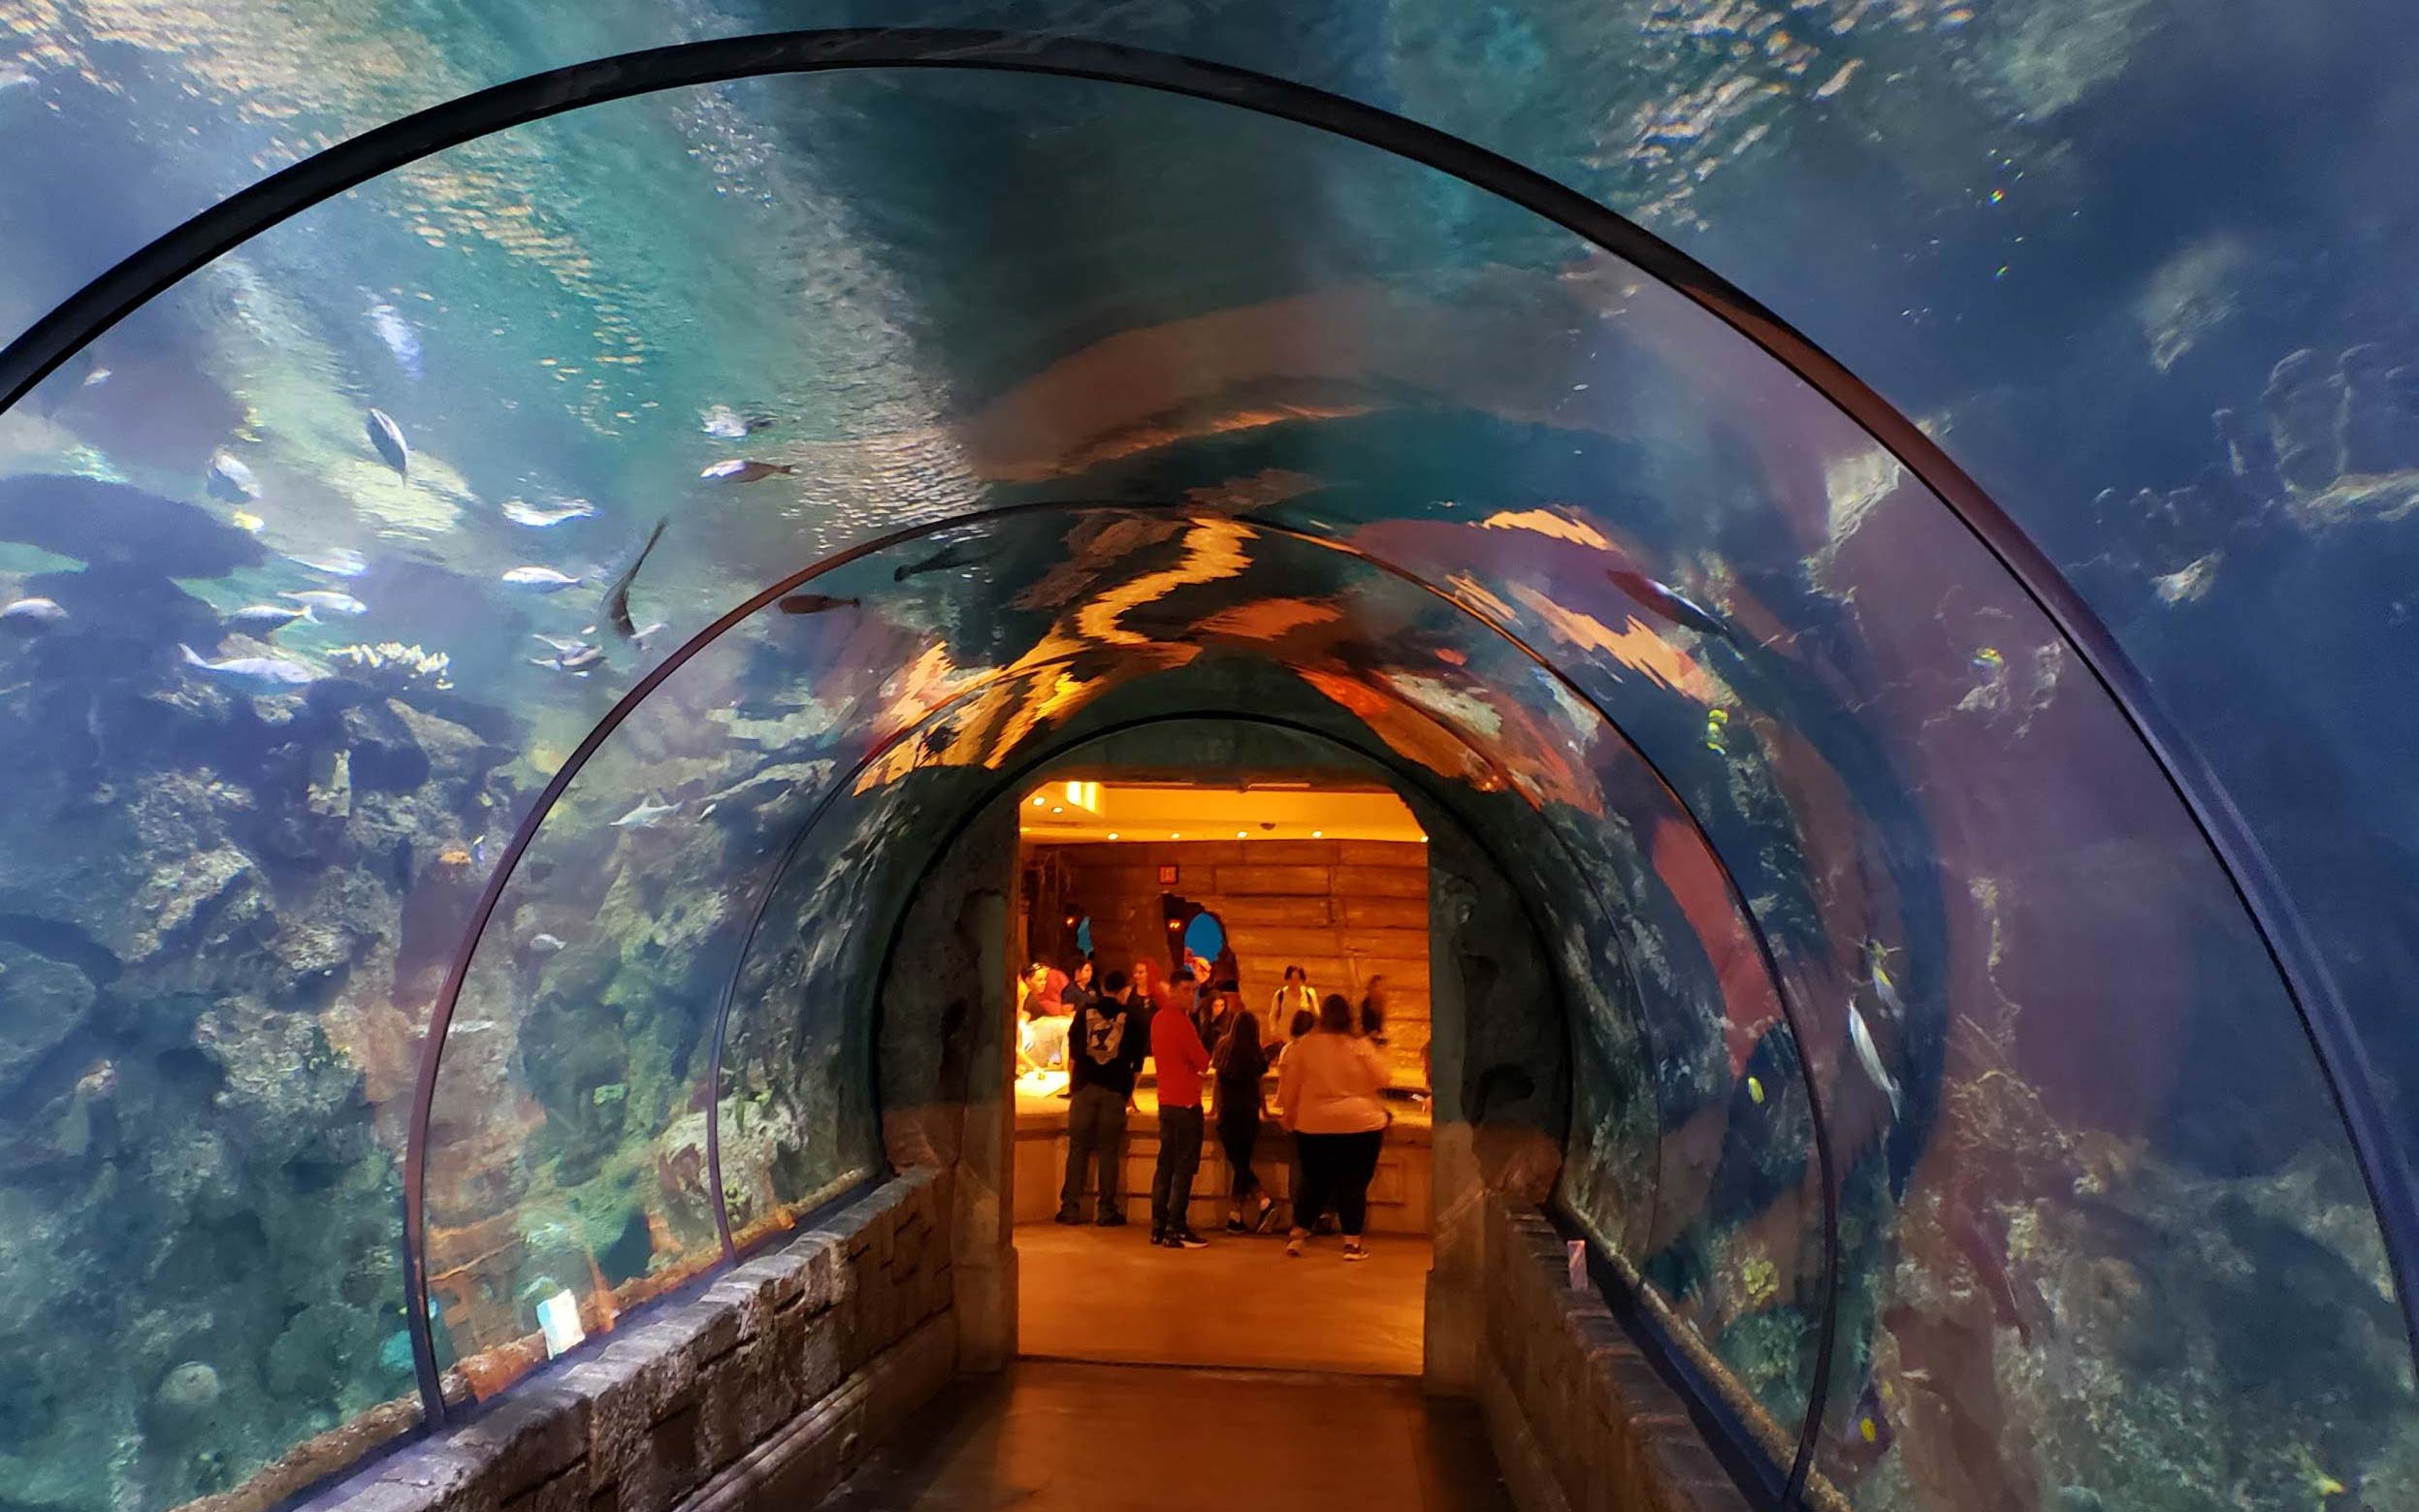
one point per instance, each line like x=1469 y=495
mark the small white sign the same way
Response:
x=560 y=1316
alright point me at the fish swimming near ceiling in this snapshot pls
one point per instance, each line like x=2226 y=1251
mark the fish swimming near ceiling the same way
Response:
x=1670 y=603
x=401 y=340
x=260 y=672
x=965 y=554
x=617 y=593
x=562 y=643
x=545 y=945
x=576 y=659
x=265 y=620
x=646 y=814
x=230 y=481
x=543 y=580
x=386 y=438
x=1877 y=955
x=815 y=603
x=327 y=601
x=336 y=562
x=541 y=517
x=31 y=615
x=740 y=469
x=1869 y=1056
x=724 y=423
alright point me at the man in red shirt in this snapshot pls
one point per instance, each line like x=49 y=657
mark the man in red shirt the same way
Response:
x=1176 y=1045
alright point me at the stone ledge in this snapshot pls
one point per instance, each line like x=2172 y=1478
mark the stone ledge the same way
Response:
x=843 y=1313
x=1580 y=1419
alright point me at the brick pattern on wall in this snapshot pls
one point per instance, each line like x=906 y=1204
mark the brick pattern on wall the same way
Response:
x=846 y=1329
x=1344 y=909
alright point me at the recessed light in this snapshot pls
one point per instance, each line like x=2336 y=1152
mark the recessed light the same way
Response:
x=1242 y=834
x=1112 y=834
x=1318 y=834
x=1175 y=835
x=1037 y=801
x=1055 y=808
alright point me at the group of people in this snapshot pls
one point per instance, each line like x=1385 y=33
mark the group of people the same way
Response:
x=1330 y=1084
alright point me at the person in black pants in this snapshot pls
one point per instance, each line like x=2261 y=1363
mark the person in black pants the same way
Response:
x=1330 y=1087
x=1105 y=1050
x=1241 y=1064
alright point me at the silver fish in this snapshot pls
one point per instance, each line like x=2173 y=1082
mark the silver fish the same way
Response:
x=576 y=659
x=336 y=562
x=727 y=424
x=646 y=816
x=1869 y=1056
x=545 y=945
x=272 y=671
x=328 y=601
x=1884 y=988
x=34 y=612
x=740 y=469
x=231 y=480
x=386 y=437
x=546 y=580
x=564 y=643
x=965 y=554
x=96 y=378
x=266 y=618
x=539 y=516
x=402 y=341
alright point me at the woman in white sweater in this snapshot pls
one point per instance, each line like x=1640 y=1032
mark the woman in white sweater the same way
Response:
x=1328 y=1090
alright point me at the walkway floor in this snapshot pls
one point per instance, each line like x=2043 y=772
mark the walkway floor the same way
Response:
x=1106 y=1295
x=1057 y=1436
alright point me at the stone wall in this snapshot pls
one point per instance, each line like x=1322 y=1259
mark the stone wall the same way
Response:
x=1580 y=1421
x=1342 y=910
x=764 y=1391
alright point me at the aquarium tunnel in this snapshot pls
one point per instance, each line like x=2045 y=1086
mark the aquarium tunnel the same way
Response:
x=520 y=557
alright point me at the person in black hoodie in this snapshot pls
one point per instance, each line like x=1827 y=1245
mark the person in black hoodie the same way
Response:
x=1104 y=1050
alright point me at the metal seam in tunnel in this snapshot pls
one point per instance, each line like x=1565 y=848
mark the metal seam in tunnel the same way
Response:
x=2324 y=1018
x=526 y=833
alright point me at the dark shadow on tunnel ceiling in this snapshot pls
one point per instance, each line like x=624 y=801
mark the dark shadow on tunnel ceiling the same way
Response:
x=71 y=325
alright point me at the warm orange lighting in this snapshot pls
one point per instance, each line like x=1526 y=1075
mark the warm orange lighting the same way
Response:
x=1055 y=808
x=1175 y=836
x=1318 y=834
x=1242 y=834
x=1085 y=796
x=1037 y=800
x=1112 y=834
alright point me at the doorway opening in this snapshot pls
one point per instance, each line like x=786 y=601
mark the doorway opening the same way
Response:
x=1250 y=894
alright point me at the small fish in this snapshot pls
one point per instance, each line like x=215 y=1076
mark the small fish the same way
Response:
x=1869 y=1433
x=645 y=634
x=1755 y=1090
x=538 y=516
x=247 y=522
x=96 y=378
x=336 y=562
x=727 y=424
x=270 y=671
x=739 y=469
x=1717 y=730
x=1669 y=602
x=34 y=613
x=646 y=816
x=1869 y=1056
x=545 y=945
x=1989 y=662
x=402 y=341
x=98 y=1079
x=815 y=603
x=386 y=437
x=266 y=618
x=545 y=580
x=478 y=851
x=1876 y=953
x=327 y=601
x=455 y=856
x=229 y=480
x=965 y=554
x=562 y=643
x=617 y=594
x=576 y=660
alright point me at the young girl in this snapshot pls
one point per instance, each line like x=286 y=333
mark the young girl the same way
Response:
x=1240 y=1064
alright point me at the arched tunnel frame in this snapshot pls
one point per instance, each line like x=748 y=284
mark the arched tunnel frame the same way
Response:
x=2342 y=1060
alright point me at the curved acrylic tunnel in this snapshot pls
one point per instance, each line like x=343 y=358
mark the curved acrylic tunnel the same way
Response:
x=1929 y=1077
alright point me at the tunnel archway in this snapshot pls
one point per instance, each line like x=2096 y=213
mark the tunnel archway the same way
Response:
x=1654 y=610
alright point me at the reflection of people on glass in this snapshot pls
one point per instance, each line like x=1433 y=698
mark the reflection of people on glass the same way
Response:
x=1328 y=1089
x=1105 y=1055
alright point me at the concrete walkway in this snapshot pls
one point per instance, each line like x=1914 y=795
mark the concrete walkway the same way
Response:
x=1055 y=1436
x=1106 y=1295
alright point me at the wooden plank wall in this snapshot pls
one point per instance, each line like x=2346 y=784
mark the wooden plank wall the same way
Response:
x=1344 y=909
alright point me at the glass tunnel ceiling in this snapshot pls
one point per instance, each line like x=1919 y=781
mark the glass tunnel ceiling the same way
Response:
x=951 y=293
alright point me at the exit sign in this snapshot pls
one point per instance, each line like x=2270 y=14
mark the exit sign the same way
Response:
x=1167 y=876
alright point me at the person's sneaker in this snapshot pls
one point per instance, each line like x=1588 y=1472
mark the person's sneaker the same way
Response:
x=1293 y=1246
x=1158 y=1235
x=1112 y=1219
x=1068 y=1215
x=1186 y=1238
x=1354 y=1250
x=1236 y=1226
